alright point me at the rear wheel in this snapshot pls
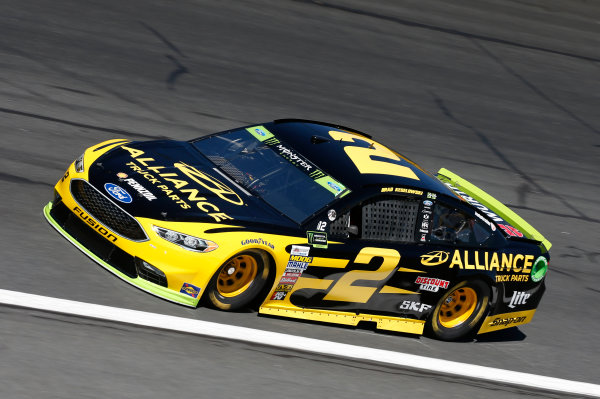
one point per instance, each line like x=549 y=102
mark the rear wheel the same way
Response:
x=239 y=280
x=459 y=312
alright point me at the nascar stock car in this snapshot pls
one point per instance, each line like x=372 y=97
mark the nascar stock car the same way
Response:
x=306 y=220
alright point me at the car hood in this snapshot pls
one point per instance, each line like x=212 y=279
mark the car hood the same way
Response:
x=171 y=180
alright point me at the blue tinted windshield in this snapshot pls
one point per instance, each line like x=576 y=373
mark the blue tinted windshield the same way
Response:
x=263 y=165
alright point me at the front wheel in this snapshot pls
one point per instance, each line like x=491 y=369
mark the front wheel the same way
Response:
x=239 y=280
x=460 y=311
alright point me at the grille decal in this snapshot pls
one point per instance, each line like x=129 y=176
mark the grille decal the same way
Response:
x=106 y=211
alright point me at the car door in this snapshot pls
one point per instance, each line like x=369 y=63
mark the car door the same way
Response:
x=366 y=249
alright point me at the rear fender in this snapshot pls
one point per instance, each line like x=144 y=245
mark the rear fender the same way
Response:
x=469 y=192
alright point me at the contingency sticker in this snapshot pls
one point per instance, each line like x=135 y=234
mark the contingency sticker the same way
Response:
x=190 y=290
x=300 y=250
x=317 y=239
x=296 y=265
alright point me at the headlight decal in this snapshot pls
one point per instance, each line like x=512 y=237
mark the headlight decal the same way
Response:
x=79 y=166
x=185 y=241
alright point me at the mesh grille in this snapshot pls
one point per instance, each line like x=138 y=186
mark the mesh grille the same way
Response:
x=339 y=227
x=105 y=211
x=230 y=170
x=91 y=240
x=390 y=220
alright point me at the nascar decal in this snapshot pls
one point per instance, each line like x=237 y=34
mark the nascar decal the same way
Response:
x=297 y=264
x=504 y=225
x=317 y=239
x=177 y=186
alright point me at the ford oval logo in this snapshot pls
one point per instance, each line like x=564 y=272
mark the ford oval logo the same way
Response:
x=118 y=193
x=334 y=186
x=427 y=203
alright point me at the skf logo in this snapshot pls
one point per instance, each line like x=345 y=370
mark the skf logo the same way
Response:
x=415 y=306
x=518 y=298
x=434 y=258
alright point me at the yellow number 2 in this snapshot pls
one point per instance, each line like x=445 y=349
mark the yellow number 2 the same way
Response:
x=344 y=291
x=362 y=157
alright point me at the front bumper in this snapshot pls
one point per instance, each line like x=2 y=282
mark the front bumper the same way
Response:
x=106 y=254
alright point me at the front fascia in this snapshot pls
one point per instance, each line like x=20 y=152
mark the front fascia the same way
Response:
x=179 y=265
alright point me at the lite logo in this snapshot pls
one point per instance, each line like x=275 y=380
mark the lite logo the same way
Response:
x=518 y=298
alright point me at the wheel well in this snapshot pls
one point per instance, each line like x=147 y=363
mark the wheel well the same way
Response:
x=260 y=298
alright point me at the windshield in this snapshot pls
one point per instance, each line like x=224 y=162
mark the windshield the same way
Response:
x=260 y=163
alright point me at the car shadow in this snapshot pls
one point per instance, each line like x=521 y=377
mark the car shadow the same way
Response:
x=509 y=334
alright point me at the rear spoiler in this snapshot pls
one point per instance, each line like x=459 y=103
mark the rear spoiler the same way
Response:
x=493 y=204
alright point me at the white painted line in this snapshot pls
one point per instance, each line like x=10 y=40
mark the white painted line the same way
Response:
x=200 y=327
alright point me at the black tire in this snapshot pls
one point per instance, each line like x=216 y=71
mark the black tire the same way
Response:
x=460 y=311
x=239 y=280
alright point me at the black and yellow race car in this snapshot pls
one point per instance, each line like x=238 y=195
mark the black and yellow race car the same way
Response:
x=306 y=220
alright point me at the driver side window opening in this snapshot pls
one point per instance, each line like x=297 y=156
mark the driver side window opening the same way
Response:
x=454 y=226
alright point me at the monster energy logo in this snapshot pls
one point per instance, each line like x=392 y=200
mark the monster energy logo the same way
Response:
x=316 y=174
x=318 y=239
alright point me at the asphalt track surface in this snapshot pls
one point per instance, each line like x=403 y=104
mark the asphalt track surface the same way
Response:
x=503 y=93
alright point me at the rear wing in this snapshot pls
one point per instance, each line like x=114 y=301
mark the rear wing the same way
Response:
x=493 y=204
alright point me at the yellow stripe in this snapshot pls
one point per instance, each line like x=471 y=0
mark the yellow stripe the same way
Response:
x=330 y=262
x=386 y=289
x=404 y=269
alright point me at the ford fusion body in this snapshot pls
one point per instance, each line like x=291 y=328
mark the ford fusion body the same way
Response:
x=305 y=220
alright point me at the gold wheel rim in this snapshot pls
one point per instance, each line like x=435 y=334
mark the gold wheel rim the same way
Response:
x=237 y=275
x=457 y=307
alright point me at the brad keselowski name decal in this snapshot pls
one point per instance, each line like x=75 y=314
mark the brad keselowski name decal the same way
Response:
x=176 y=186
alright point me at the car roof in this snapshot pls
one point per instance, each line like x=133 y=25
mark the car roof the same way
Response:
x=313 y=140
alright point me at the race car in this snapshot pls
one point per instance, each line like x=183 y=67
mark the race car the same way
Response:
x=306 y=220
